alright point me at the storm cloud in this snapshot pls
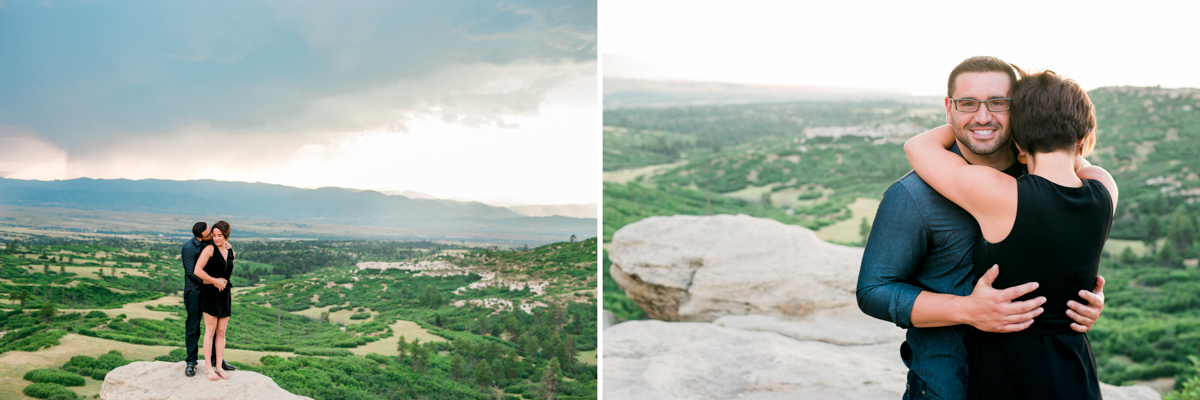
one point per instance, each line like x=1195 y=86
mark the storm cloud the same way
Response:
x=88 y=75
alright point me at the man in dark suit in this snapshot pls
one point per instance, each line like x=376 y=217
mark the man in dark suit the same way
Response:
x=191 y=297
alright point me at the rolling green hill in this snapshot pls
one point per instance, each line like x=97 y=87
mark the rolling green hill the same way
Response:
x=325 y=319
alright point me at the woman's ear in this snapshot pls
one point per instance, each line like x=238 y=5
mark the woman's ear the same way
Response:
x=1020 y=154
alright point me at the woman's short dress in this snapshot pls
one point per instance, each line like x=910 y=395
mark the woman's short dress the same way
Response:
x=217 y=303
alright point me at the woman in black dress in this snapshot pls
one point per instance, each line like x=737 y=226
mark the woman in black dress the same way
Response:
x=1048 y=227
x=214 y=267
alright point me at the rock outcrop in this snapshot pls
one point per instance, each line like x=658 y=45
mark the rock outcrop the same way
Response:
x=686 y=268
x=772 y=316
x=146 y=380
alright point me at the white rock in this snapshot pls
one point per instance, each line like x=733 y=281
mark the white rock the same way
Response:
x=687 y=268
x=145 y=380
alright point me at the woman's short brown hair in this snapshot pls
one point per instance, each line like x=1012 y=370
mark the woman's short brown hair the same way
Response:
x=1052 y=113
x=223 y=227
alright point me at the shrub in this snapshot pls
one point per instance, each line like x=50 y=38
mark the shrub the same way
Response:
x=324 y=352
x=96 y=314
x=176 y=355
x=361 y=316
x=48 y=390
x=50 y=375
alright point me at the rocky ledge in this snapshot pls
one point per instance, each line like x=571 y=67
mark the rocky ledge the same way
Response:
x=760 y=310
x=146 y=380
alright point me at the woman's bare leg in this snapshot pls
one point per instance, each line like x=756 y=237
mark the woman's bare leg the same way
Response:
x=220 y=343
x=210 y=329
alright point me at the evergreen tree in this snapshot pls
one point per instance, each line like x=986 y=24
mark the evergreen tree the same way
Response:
x=1153 y=231
x=1180 y=233
x=550 y=379
x=511 y=366
x=48 y=311
x=532 y=347
x=1168 y=257
x=21 y=296
x=420 y=357
x=401 y=346
x=512 y=326
x=497 y=369
x=483 y=374
x=1127 y=257
x=456 y=365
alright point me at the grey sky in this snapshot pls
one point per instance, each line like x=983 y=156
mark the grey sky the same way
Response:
x=251 y=90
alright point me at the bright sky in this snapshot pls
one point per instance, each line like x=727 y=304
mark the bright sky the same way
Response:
x=481 y=100
x=899 y=45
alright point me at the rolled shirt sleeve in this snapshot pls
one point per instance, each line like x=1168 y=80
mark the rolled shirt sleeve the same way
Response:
x=895 y=249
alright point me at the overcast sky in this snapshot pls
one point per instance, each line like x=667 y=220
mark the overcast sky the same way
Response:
x=481 y=100
x=899 y=45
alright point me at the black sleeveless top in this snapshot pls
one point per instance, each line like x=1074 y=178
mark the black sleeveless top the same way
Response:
x=1056 y=240
x=218 y=303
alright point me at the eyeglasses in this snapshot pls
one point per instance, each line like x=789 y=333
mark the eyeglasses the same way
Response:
x=971 y=105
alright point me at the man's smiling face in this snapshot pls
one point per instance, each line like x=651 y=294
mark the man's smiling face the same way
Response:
x=982 y=132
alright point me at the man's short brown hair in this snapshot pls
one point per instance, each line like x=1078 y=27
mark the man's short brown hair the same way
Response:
x=983 y=64
x=1052 y=113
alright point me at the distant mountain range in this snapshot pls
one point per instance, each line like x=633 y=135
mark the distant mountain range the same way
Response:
x=278 y=202
x=621 y=93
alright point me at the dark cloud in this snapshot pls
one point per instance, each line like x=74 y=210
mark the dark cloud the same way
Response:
x=79 y=73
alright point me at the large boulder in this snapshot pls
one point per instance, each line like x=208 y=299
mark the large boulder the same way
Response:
x=146 y=380
x=687 y=268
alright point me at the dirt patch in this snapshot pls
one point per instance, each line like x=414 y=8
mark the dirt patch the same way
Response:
x=847 y=231
x=587 y=357
x=137 y=310
x=629 y=175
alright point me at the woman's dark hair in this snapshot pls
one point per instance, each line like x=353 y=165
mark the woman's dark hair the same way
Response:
x=223 y=227
x=1052 y=113
x=198 y=229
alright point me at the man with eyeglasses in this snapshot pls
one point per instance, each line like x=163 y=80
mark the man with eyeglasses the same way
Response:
x=916 y=268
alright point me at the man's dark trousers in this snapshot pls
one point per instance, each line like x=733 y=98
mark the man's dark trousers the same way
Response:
x=195 y=318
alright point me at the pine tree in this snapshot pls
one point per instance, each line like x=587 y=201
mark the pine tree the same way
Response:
x=48 y=311
x=483 y=375
x=1127 y=257
x=550 y=379
x=1153 y=231
x=401 y=346
x=20 y=296
x=1180 y=233
x=456 y=365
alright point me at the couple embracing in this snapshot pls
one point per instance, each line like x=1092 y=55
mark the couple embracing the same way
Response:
x=988 y=253
x=207 y=264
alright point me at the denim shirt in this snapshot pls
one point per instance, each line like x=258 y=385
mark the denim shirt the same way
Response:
x=921 y=241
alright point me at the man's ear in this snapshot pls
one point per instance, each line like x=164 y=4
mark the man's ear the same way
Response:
x=948 y=108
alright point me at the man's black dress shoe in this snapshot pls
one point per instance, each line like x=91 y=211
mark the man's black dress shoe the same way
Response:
x=190 y=371
x=227 y=367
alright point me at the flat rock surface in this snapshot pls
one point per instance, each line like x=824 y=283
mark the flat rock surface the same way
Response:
x=144 y=380
x=695 y=360
x=692 y=360
x=688 y=268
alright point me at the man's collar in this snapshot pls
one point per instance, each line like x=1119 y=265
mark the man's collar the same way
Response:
x=1015 y=170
